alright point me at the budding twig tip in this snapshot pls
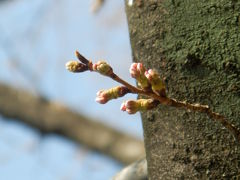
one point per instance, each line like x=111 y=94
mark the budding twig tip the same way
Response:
x=81 y=58
x=68 y=65
x=75 y=66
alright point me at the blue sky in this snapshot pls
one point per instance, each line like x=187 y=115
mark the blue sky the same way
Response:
x=42 y=44
x=37 y=38
x=26 y=155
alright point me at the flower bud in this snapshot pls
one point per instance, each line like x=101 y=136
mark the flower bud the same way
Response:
x=156 y=82
x=137 y=71
x=104 y=96
x=103 y=68
x=133 y=106
x=75 y=66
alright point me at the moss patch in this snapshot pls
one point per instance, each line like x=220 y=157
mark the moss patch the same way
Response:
x=204 y=31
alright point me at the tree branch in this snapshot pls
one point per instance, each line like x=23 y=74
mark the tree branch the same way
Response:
x=53 y=117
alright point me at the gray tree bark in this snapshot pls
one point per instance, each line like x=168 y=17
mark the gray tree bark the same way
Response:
x=195 y=45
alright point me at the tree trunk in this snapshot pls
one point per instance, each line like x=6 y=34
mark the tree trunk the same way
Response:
x=195 y=45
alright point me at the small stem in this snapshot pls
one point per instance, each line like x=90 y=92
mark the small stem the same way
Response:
x=213 y=115
x=129 y=86
x=135 y=90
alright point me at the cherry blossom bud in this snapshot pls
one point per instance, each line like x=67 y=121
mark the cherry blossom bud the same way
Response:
x=156 y=82
x=75 y=66
x=133 y=70
x=133 y=106
x=103 y=68
x=104 y=96
x=137 y=71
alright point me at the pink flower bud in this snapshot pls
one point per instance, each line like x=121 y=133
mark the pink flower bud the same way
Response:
x=149 y=74
x=141 y=68
x=104 y=96
x=133 y=70
x=103 y=68
x=133 y=106
x=156 y=82
x=137 y=71
x=94 y=66
x=123 y=106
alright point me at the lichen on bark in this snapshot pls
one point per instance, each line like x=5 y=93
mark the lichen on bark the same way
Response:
x=195 y=46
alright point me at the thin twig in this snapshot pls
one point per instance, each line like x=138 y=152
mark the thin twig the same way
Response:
x=168 y=101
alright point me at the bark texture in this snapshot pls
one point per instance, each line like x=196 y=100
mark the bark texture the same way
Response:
x=195 y=45
x=51 y=117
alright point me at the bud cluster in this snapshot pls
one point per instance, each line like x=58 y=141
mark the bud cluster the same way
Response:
x=147 y=78
x=149 y=83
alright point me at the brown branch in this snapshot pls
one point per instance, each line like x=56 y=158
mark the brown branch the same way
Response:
x=52 y=117
x=213 y=115
x=194 y=107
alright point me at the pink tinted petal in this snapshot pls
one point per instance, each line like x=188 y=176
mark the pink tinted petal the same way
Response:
x=99 y=93
x=140 y=67
x=130 y=104
x=130 y=111
x=132 y=71
x=127 y=104
x=94 y=66
x=101 y=100
x=150 y=71
x=123 y=107
x=148 y=74
x=98 y=99
x=133 y=68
